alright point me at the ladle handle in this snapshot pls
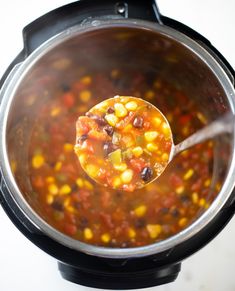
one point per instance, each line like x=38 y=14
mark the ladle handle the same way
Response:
x=225 y=124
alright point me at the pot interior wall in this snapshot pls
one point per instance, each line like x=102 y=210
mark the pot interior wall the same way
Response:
x=131 y=52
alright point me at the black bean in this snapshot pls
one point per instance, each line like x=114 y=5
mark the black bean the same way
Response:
x=175 y=212
x=164 y=210
x=108 y=129
x=138 y=122
x=110 y=110
x=83 y=222
x=65 y=87
x=184 y=199
x=140 y=223
x=98 y=119
x=74 y=187
x=109 y=147
x=57 y=206
x=146 y=174
x=77 y=205
x=82 y=138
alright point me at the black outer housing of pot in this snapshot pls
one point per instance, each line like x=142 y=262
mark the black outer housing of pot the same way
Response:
x=81 y=268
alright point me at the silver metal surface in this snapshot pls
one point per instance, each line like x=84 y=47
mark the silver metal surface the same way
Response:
x=8 y=97
x=224 y=124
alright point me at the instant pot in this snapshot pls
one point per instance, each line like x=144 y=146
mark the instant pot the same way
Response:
x=206 y=76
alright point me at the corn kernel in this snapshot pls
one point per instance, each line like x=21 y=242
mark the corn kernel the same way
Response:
x=127 y=176
x=50 y=179
x=120 y=167
x=165 y=129
x=114 y=73
x=88 y=185
x=201 y=117
x=165 y=157
x=111 y=119
x=120 y=110
x=131 y=233
x=92 y=170
x=218 y=186
x=202 y=202
x=185 y=130
x=116 y=182
x=157 y=84
x=137 y=151
x=140 y=210
x=53 y=189
x=149 y=94
x=49 y=199
x=70 y=209
x=86 y=80
x=88 y=234
x=124 y=100
x=82 y=159
x=152 y=147
x=85 y=95
x=195 y=197
x=58 y=166
x=13 y=166
x=150 y=135
x=65 y=189
x=127 y=128
x=169 y=117
x=131 y=106
x=183 y=221
x=157 y=121
x=67 y=202
x=207 y=205
x=79 y=182
x=38 y=161
x=105 y=238
x=210 y=144
x=185 y=153
x=68 y=147
x=154 y=230
x=179 y=190
x=55 y=111
x=61 y=63
x=188 y=174
x=207 y=182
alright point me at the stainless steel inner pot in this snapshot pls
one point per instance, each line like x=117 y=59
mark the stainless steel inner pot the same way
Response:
x=129 y=45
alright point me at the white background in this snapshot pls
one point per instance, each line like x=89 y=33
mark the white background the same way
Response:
x=24 y=267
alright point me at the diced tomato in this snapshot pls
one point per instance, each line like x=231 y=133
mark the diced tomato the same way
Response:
x=129 y=187
x=137 y=164
x=70 y=229
x=185 y=119
x=105 y=199
x=197 y=185
x=68 y=99
x=82 y=127
x=87 y=145
x=38 y=181
x=107 y=219
x=146 y=125
x=98 y=135
x=175 y=180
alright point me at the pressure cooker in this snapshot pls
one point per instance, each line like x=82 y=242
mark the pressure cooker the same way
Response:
x=205 y=75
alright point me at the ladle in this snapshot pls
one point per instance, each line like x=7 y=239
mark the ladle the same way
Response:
x=107 y=153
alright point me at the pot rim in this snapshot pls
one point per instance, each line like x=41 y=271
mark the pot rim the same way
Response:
x=8 y=92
